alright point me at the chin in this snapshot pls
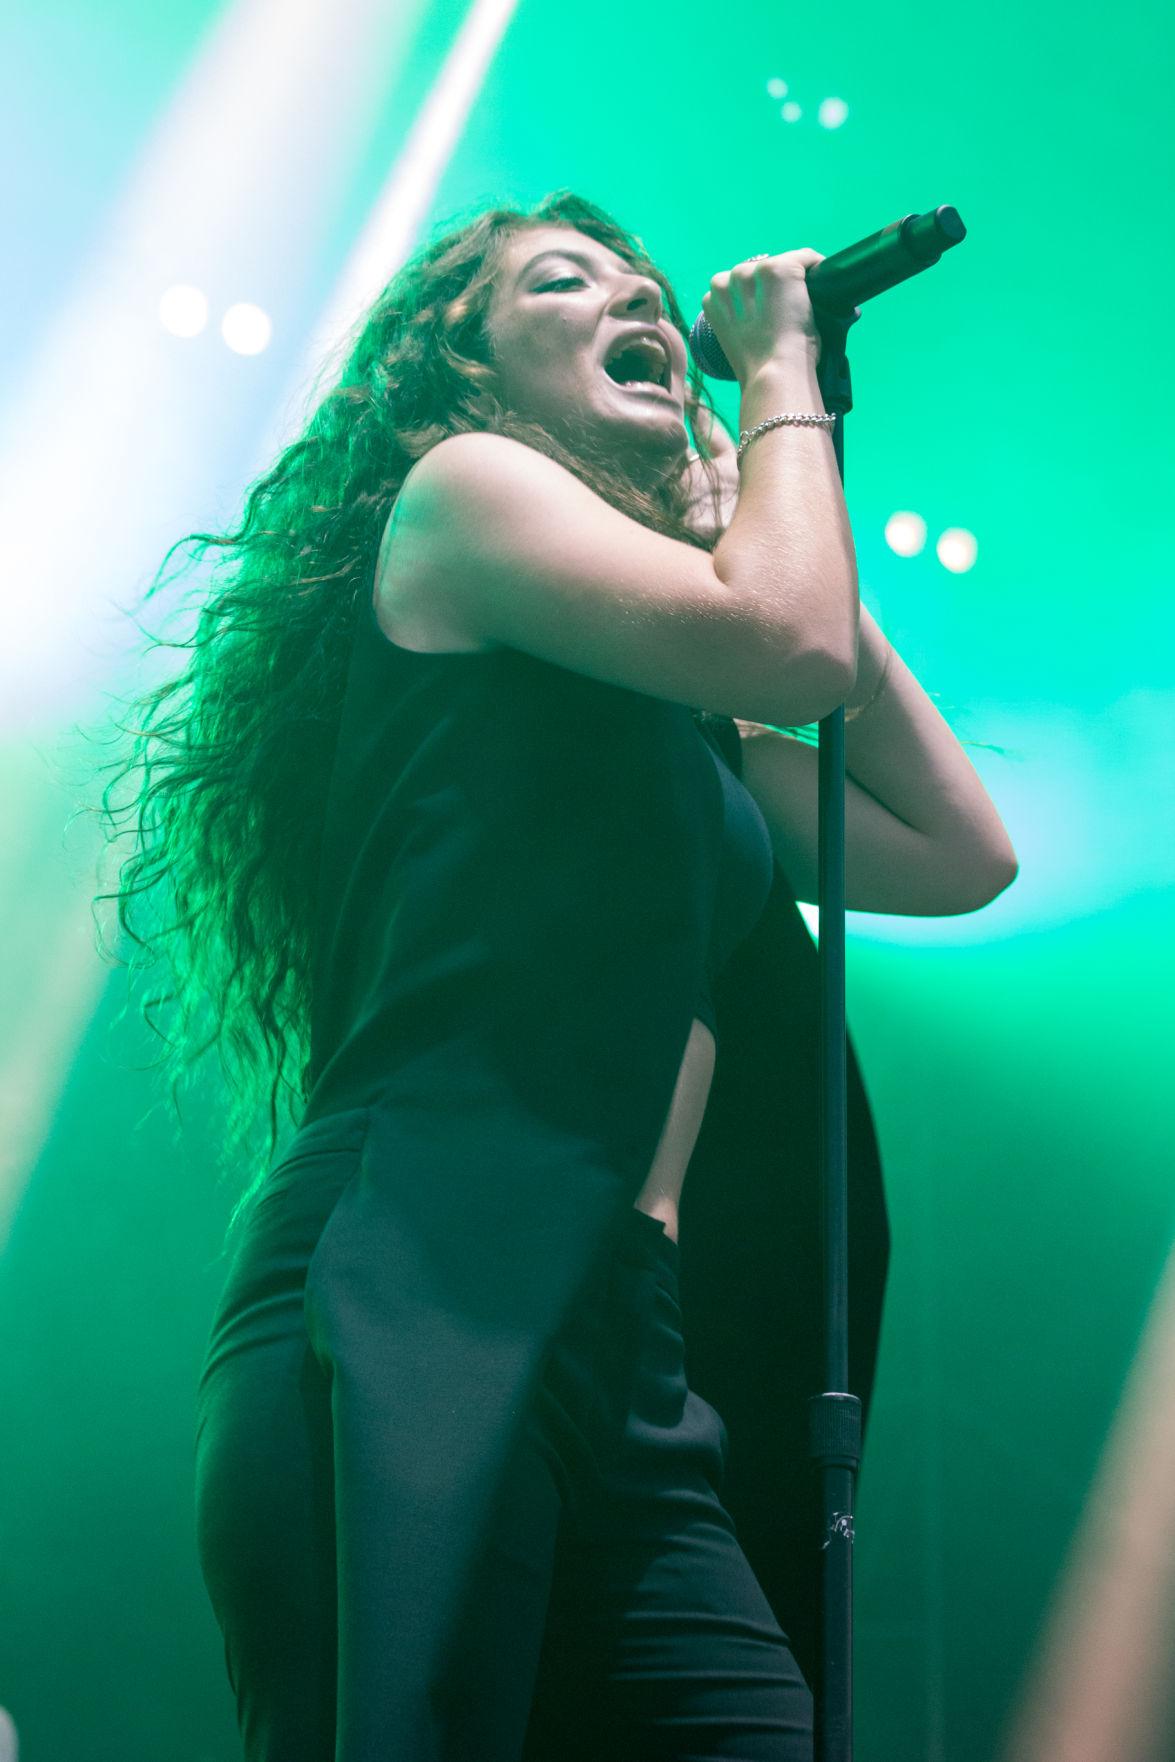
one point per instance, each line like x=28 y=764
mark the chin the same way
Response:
x=661 y=440
x=655 y=443
x=664 y=427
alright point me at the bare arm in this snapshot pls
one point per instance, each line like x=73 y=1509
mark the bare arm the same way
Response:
x=922 y=836
x=494 y=540
x=789 y=533
x=902 y=751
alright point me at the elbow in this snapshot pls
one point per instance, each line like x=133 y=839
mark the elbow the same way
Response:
x=1003 y=867
x=1005 y=876
x=823 y=683
x=989 y=883
x=782 y=684
x=794 y=695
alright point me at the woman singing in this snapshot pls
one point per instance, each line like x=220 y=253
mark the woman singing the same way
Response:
x=482 y=790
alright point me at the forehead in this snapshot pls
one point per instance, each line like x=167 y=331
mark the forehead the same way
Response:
x=525 y=246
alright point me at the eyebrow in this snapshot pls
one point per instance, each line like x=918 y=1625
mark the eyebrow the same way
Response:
x=557 y=251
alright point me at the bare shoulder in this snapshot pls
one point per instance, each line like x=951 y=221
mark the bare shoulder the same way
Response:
x=462 y=462
x=411 y=619
x=495 y=544
x=412 y=611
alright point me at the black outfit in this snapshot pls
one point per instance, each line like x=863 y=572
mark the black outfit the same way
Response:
x=455 y=1499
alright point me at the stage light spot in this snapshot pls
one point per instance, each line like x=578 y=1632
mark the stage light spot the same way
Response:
x=777 y=88
x=832 y=112
x=183 y=310
x=905 y=533
x=957 y=549
x=246 y=328
x=791 y=111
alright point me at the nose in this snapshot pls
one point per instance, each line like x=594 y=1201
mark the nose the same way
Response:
x=643 y=294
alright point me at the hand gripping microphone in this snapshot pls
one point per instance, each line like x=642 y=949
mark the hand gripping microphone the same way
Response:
x=859 y=272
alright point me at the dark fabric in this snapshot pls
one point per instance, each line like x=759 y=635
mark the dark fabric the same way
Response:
x=612 y=1612
x=744 y=879
x=520 y=868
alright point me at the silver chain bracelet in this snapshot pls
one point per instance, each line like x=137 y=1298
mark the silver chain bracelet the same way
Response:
x=803 y=418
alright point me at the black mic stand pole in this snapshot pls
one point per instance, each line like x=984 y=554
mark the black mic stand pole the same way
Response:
x=904 y=248
x=900 y=250
x=834 y=1417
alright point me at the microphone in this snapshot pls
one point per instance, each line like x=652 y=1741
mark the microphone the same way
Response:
x=861 y=271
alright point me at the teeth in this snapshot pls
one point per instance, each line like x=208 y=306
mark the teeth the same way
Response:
x=654 y=354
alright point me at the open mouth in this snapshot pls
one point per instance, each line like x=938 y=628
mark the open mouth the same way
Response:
x=640 y=365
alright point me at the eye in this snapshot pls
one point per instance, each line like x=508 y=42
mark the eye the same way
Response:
x=567 y=281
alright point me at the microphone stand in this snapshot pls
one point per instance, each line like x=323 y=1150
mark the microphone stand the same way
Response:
x=834 y=1417
x=904 y=248
x=897 y=252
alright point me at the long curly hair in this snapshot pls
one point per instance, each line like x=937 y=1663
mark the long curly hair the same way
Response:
x=229 y=761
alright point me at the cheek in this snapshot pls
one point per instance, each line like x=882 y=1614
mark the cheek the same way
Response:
x=557 y=364
x=541 y=366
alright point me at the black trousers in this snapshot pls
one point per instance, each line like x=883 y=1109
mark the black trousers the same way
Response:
x=614 y=1616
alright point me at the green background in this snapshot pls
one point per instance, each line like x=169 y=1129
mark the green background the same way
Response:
x=1017 y=1058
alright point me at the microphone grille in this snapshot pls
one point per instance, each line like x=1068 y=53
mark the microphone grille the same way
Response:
x=707 y=350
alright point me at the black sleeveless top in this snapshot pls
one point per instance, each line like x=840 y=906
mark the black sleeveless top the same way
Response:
x=744 y=881
x=528 y=877
x=450 y=858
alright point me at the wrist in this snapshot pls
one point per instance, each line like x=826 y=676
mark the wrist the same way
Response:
x=787 y=382
x=794 y=345
x=795 y=359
